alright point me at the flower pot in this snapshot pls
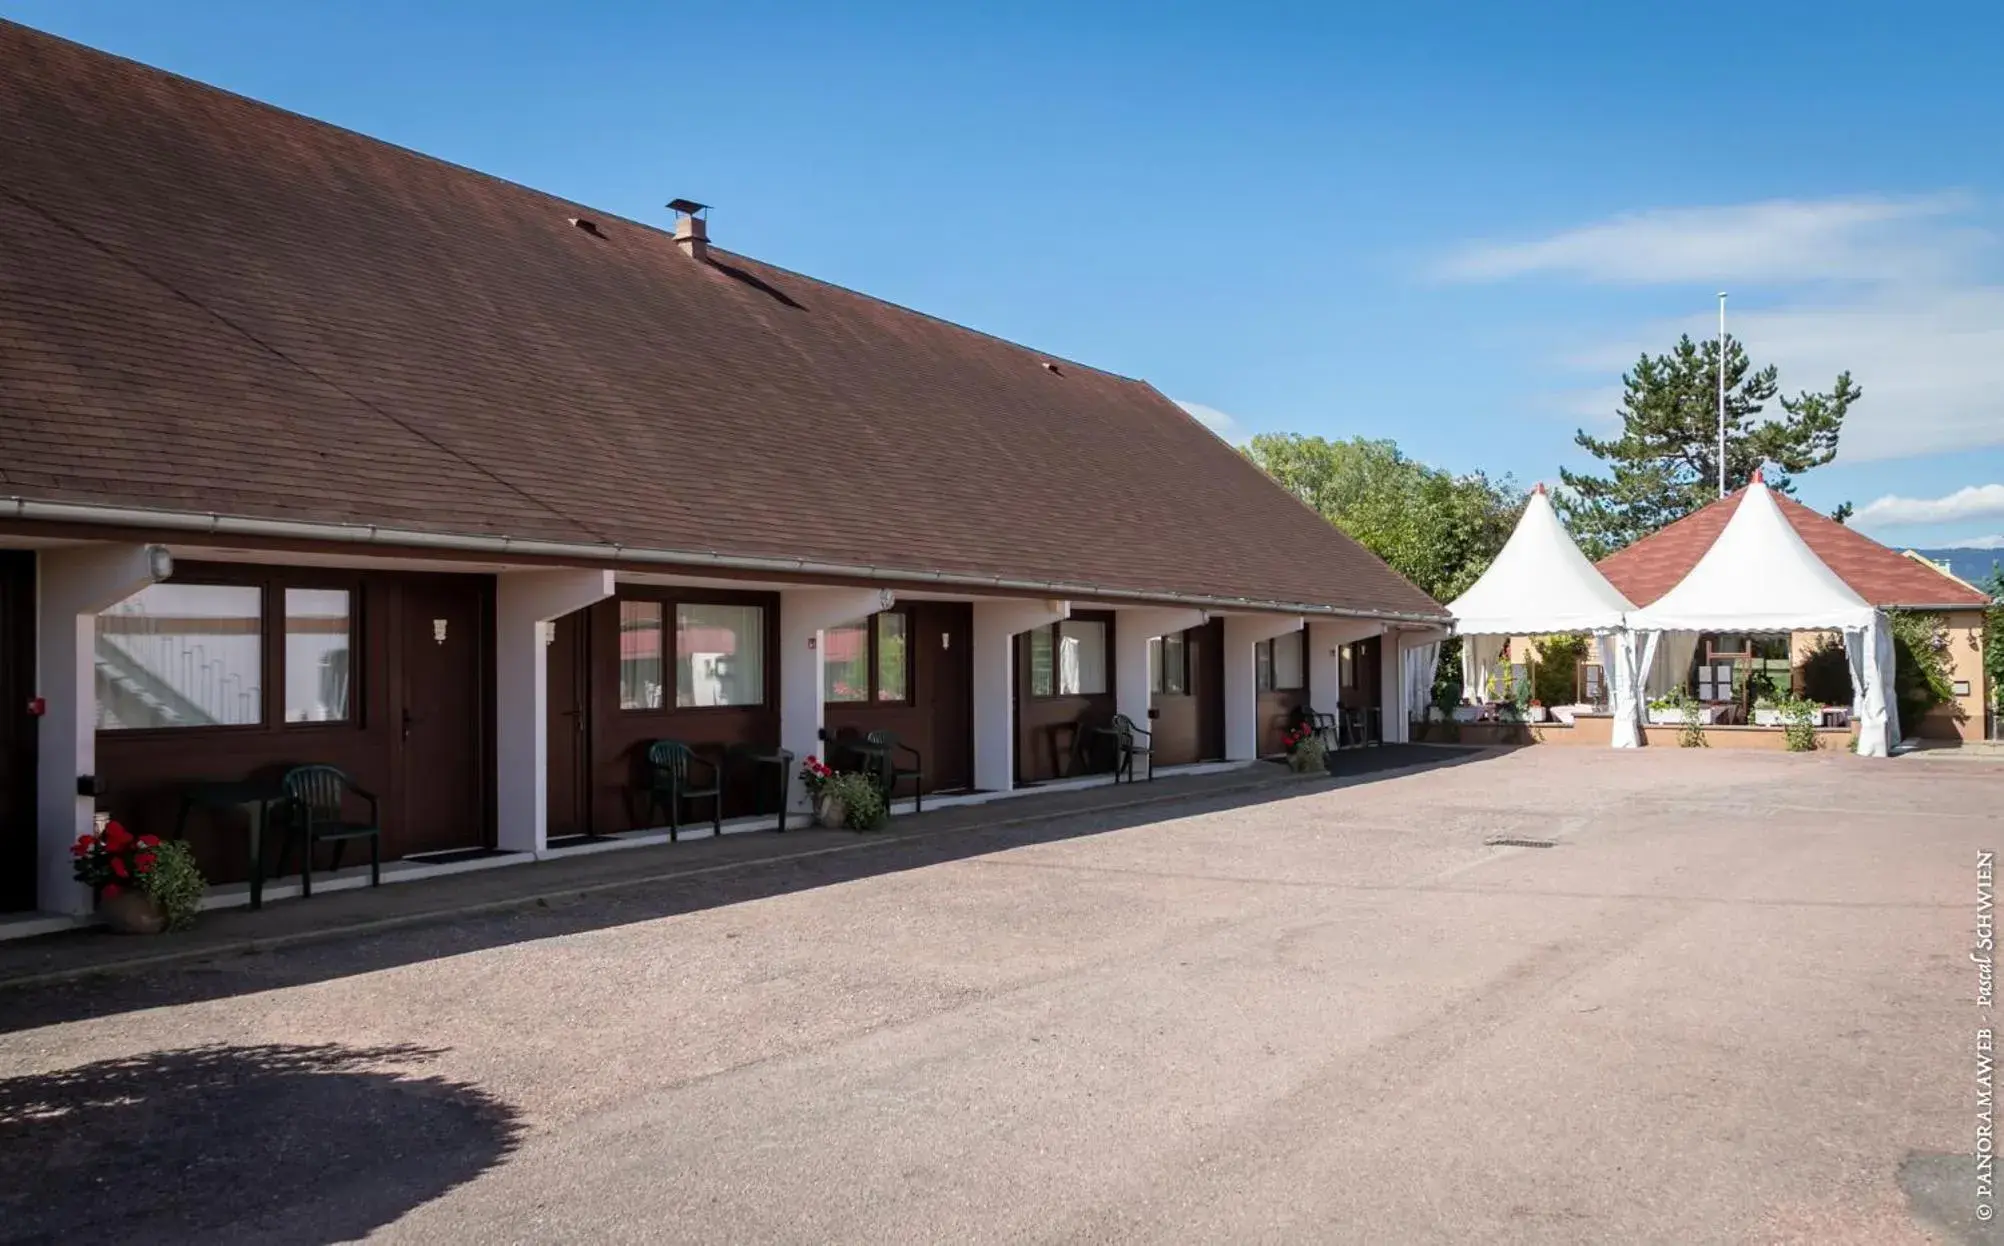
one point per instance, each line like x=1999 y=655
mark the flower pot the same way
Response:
x=1767 y=718
x=829 y=811
x=1467 y=713
x=132 y=912
x=1537 y=713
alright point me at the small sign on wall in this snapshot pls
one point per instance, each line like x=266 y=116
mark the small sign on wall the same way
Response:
x=1962 y=687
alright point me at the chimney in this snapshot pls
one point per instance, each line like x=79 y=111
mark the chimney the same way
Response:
x=692 y=228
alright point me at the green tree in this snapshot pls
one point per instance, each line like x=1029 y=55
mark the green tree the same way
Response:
x=1437 y=529
x=1665 y=463
x=1993 y=641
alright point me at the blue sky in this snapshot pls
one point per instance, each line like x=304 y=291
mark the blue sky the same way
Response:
x=1451 y=226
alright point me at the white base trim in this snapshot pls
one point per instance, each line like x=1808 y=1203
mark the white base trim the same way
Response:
x=29 y=925
x=350 y=878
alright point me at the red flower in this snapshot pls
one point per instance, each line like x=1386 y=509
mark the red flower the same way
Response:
x=149 y=841
x=118 y=867
x=144 y=861
x=84 y=844
x=111 y=889
x=116 y=837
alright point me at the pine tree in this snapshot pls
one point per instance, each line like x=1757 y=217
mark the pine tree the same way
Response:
x=1665 y=463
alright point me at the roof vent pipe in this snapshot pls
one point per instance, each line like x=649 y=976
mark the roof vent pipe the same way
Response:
x=692 y=227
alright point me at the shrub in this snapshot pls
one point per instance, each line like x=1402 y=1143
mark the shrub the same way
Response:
x=862 y=803
x=1798 y=723
x=1920 y=667
x=1826 y=673
x=1554 y=680
x=177 y=883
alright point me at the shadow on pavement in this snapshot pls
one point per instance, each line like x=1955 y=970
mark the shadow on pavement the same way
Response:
x=230 y=973
x=220 y=1144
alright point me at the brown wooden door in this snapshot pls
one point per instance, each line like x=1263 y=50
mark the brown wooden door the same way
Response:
x=950 y=760
x=17 y=731
x=1206 y=650
x=569 y=748
x=442 y=722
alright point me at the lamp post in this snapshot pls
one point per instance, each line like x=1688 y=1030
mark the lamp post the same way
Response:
x=1722 y=393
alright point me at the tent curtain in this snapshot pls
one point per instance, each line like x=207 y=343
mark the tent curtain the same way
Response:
x=1877 y=712
x=1480 y=655
x=1420 y=661
x=1624 y=674
x=1669 y=667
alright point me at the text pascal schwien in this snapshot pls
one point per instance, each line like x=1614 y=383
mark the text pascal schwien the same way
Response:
x=1986 y=943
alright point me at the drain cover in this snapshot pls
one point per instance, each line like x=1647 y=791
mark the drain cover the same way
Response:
x=1511 y=841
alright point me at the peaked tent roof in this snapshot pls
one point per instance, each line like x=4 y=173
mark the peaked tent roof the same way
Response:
x=211 y=305
x=1540 y=582
x=1759 y=575
x=1651 y=566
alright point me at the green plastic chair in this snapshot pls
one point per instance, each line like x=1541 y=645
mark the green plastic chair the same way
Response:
x=670 y=782
x=1127 y=747
x=890 y=773
x=316 y=799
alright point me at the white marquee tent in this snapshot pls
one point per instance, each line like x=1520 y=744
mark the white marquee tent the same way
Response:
x=1541 y=583
x=1760 y=576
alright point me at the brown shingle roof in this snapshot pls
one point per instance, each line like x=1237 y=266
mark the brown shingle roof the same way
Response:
x=210 y=304
x=1653 y=565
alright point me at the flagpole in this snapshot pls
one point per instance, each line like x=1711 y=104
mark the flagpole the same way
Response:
x=1722 y=393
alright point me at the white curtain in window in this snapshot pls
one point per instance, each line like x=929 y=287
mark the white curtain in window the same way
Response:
x=1417 y=669
x=1081 y=659
x=1287 y=668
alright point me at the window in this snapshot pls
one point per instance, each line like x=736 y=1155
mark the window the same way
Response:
x=868 y=661
x=182 y=655
x=317 y=648
x=1043 y=680
x=640 y=662
x=1288 y=667
x=1346 y=667
x=1169 y=665
x=845 y=664
x=1263 y=666
x=893 y=657
x=1081 y=659
x=719 y=655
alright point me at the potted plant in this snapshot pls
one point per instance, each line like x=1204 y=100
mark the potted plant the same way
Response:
x=1535 y=711
x=818 y=777
x=142 y=885
x=1306 y=754
x=1767 y=712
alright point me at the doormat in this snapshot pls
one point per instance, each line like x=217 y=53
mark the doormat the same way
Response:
x=453 y=856
x=573 y=841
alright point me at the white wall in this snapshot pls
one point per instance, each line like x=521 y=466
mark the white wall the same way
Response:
x=1242 y=632
x=74 y=585
x=526 y=603
x=1132 y=630
x=996 y=625
x=804 y=613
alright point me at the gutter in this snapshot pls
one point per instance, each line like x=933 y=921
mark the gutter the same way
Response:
x=212 y=524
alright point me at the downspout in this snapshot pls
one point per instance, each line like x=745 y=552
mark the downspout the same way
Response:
x=372 y=535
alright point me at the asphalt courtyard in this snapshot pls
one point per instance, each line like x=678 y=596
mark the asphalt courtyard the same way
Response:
x=1733 y=1001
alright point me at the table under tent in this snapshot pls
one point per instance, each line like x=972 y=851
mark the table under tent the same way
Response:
x=1539 y=585
x=1760 y=577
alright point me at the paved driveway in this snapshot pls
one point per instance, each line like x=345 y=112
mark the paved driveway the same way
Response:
x=1734 y=1002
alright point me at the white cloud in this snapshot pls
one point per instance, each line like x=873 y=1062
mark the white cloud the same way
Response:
x=1974 y=502
x=1887 y=289
x=1780 y=240
x=1978 y=542
x=1212 y=418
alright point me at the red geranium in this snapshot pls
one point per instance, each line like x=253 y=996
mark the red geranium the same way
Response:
x=113 y=856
